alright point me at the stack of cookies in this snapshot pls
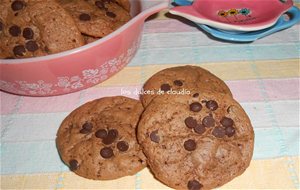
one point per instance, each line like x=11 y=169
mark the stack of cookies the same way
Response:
x=31 y=28
x=187 y=128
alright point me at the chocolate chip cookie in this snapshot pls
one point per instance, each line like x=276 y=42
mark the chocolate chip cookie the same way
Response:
x=183 y=77
x=196 y=142
x=97 y=18
x=98 y=139
x=30 y=28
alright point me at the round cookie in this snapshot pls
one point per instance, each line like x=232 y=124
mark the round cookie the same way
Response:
x=97 y=18
x=98 y=139
x=33 y=28
x=196 y=142
x=182 y=77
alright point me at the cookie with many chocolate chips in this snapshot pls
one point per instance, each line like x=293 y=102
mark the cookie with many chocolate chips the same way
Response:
x=196 y=142
x=31 y=28
x=98 y=139
x=97 y=18
x=182 y=79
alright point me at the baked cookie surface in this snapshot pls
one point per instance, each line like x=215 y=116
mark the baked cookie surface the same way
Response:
x=97 y=18
x=31 y=28
x=182 y=77
x=98 y=139
x=196 y=142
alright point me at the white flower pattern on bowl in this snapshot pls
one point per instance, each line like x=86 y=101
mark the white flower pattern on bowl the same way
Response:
x=66 y=83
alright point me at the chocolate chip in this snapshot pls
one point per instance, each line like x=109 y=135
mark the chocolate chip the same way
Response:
x=113 y=133
x=86 y=128
x=212 y=105
x=190 y=122
x=110 y=14
x=19 y=50
x=17 y=5
x=106 y=152
x=111 y=137
x=218 y=132
x=73 y=165
x=195 y=95
x=190 y=145
x=84 y=131
x=31 y=46
x=226 y=122
x=194 y=185
x=154 y=136
x=28 y=33
x=229 y=131
x=200 y=129
x=14 y=30
x=122 y=146
x=101 y=133
x=1 y=26
x=165 y=87
x=84 y=17
x=100 y=4
x=208 y=121
x=178 y=82
x=195 y=107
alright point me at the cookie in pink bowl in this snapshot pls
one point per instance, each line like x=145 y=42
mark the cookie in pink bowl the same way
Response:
x=82 y=67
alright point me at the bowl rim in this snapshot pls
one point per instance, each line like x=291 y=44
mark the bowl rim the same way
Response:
x=140 y=15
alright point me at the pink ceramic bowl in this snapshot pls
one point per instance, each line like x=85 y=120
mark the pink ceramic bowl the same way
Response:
x=234 y=15
x=82 y=67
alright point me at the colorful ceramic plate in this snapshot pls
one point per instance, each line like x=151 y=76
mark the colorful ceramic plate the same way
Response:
x=234 y=15
x=290 y=18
